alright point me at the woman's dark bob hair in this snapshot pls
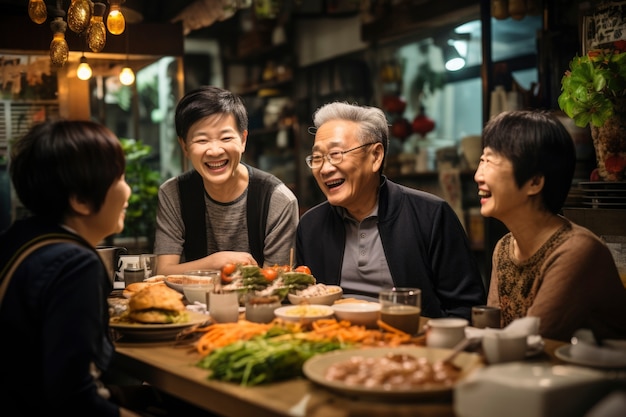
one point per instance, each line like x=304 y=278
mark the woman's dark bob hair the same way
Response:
x=59 y=159
x=537 y=144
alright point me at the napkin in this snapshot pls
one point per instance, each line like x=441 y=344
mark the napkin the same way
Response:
x=528 y=325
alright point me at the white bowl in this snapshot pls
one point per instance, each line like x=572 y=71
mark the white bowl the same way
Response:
x=360 y=314
x=304 y=313
x=317 y=294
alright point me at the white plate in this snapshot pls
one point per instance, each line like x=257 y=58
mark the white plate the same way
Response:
x=154 y=332
x=564 y=353
x=315 y=369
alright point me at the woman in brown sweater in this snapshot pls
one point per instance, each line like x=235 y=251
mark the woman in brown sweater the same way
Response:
x=546 y=266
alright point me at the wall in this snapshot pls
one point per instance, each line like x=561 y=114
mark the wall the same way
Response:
x=324 y=38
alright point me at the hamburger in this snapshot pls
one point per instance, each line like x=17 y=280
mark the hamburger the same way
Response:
x=157 y=304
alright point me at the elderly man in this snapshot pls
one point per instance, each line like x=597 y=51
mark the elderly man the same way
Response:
x=372 y=233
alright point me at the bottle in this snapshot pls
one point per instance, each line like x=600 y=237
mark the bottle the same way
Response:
x=133 y=273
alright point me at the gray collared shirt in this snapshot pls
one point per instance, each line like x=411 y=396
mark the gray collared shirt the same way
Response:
x=364 y=268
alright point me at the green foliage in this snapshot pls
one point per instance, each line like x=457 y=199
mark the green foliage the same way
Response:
x=144 y=182
x=592 y=86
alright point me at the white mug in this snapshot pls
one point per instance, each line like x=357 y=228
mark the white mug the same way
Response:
x=500 y=346
x=445 y=332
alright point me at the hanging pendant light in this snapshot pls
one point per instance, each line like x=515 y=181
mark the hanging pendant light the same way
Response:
x=116 y=23
x=79 y=15
x=37 y=11
x=83 y=72
x=127 y=75
x=96 y=32
x=59 y=51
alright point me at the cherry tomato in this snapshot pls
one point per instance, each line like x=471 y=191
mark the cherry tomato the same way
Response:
x=303 y=269
x=227 y=271
x=270 y=274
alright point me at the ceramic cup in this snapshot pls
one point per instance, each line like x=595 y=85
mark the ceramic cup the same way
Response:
x=401 y=308
x=445 y=332
x=260 y=309
x=486 y=316
x=224 y=307
x=500 y=346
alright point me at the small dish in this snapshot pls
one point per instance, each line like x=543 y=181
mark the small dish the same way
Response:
x=360 y=314
x=592 y=356
x=317 y=294
x=304 y=313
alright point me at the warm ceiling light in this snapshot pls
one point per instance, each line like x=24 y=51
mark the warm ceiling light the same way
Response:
x=115 y=20
x=96 y=33
x=127 y=76
x=79 y=15
x=59 y=51
x=37 y=11
x=83 y=72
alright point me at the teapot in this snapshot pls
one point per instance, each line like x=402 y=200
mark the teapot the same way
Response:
x=110 y=256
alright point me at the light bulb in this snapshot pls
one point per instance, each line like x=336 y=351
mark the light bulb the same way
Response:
x=59 y=50
x=83 y=72
x=127 y=76
x=79 y=15
x=96 y=32
x=115 y=20
x=37 y=11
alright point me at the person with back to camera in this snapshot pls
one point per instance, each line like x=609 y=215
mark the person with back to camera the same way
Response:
x=53 y=307
x=546 y=266
x=372 y=233
x=222 y=211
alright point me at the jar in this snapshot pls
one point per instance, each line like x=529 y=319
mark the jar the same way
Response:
x=133 y=273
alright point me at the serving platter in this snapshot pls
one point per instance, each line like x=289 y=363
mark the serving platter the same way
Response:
x=315 y=369
x=156 y=332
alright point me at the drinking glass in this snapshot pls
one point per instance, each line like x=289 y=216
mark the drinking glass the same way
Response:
x=224 y=306
x=148 y=261
x=401 y=308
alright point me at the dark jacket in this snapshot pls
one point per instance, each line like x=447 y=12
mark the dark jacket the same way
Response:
x=54 y=318
x=424 y=243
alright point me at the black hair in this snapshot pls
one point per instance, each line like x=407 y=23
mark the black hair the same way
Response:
x=207 y=101
x=59 y=159
x=537 y=144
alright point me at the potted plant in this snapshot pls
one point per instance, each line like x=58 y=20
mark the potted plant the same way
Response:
x=593 y=92
x=144 y=182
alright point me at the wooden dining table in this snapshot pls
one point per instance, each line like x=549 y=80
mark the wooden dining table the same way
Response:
x=171 y=368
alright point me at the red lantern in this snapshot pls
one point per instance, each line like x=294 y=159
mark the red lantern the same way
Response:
x=422 y=124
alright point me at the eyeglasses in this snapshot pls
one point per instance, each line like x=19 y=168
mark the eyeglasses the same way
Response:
x=333 y=158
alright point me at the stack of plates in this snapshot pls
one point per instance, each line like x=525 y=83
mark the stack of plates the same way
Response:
x=602 y=194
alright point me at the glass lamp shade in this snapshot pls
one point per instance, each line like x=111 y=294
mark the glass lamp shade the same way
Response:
x=96 y=34
x=79 y=15
x=115 y=20
x=59 y=51
x=37 y=11
x=83 y=72
x=127 y=76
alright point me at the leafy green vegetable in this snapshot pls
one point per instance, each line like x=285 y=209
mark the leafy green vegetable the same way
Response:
x=262 y=360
